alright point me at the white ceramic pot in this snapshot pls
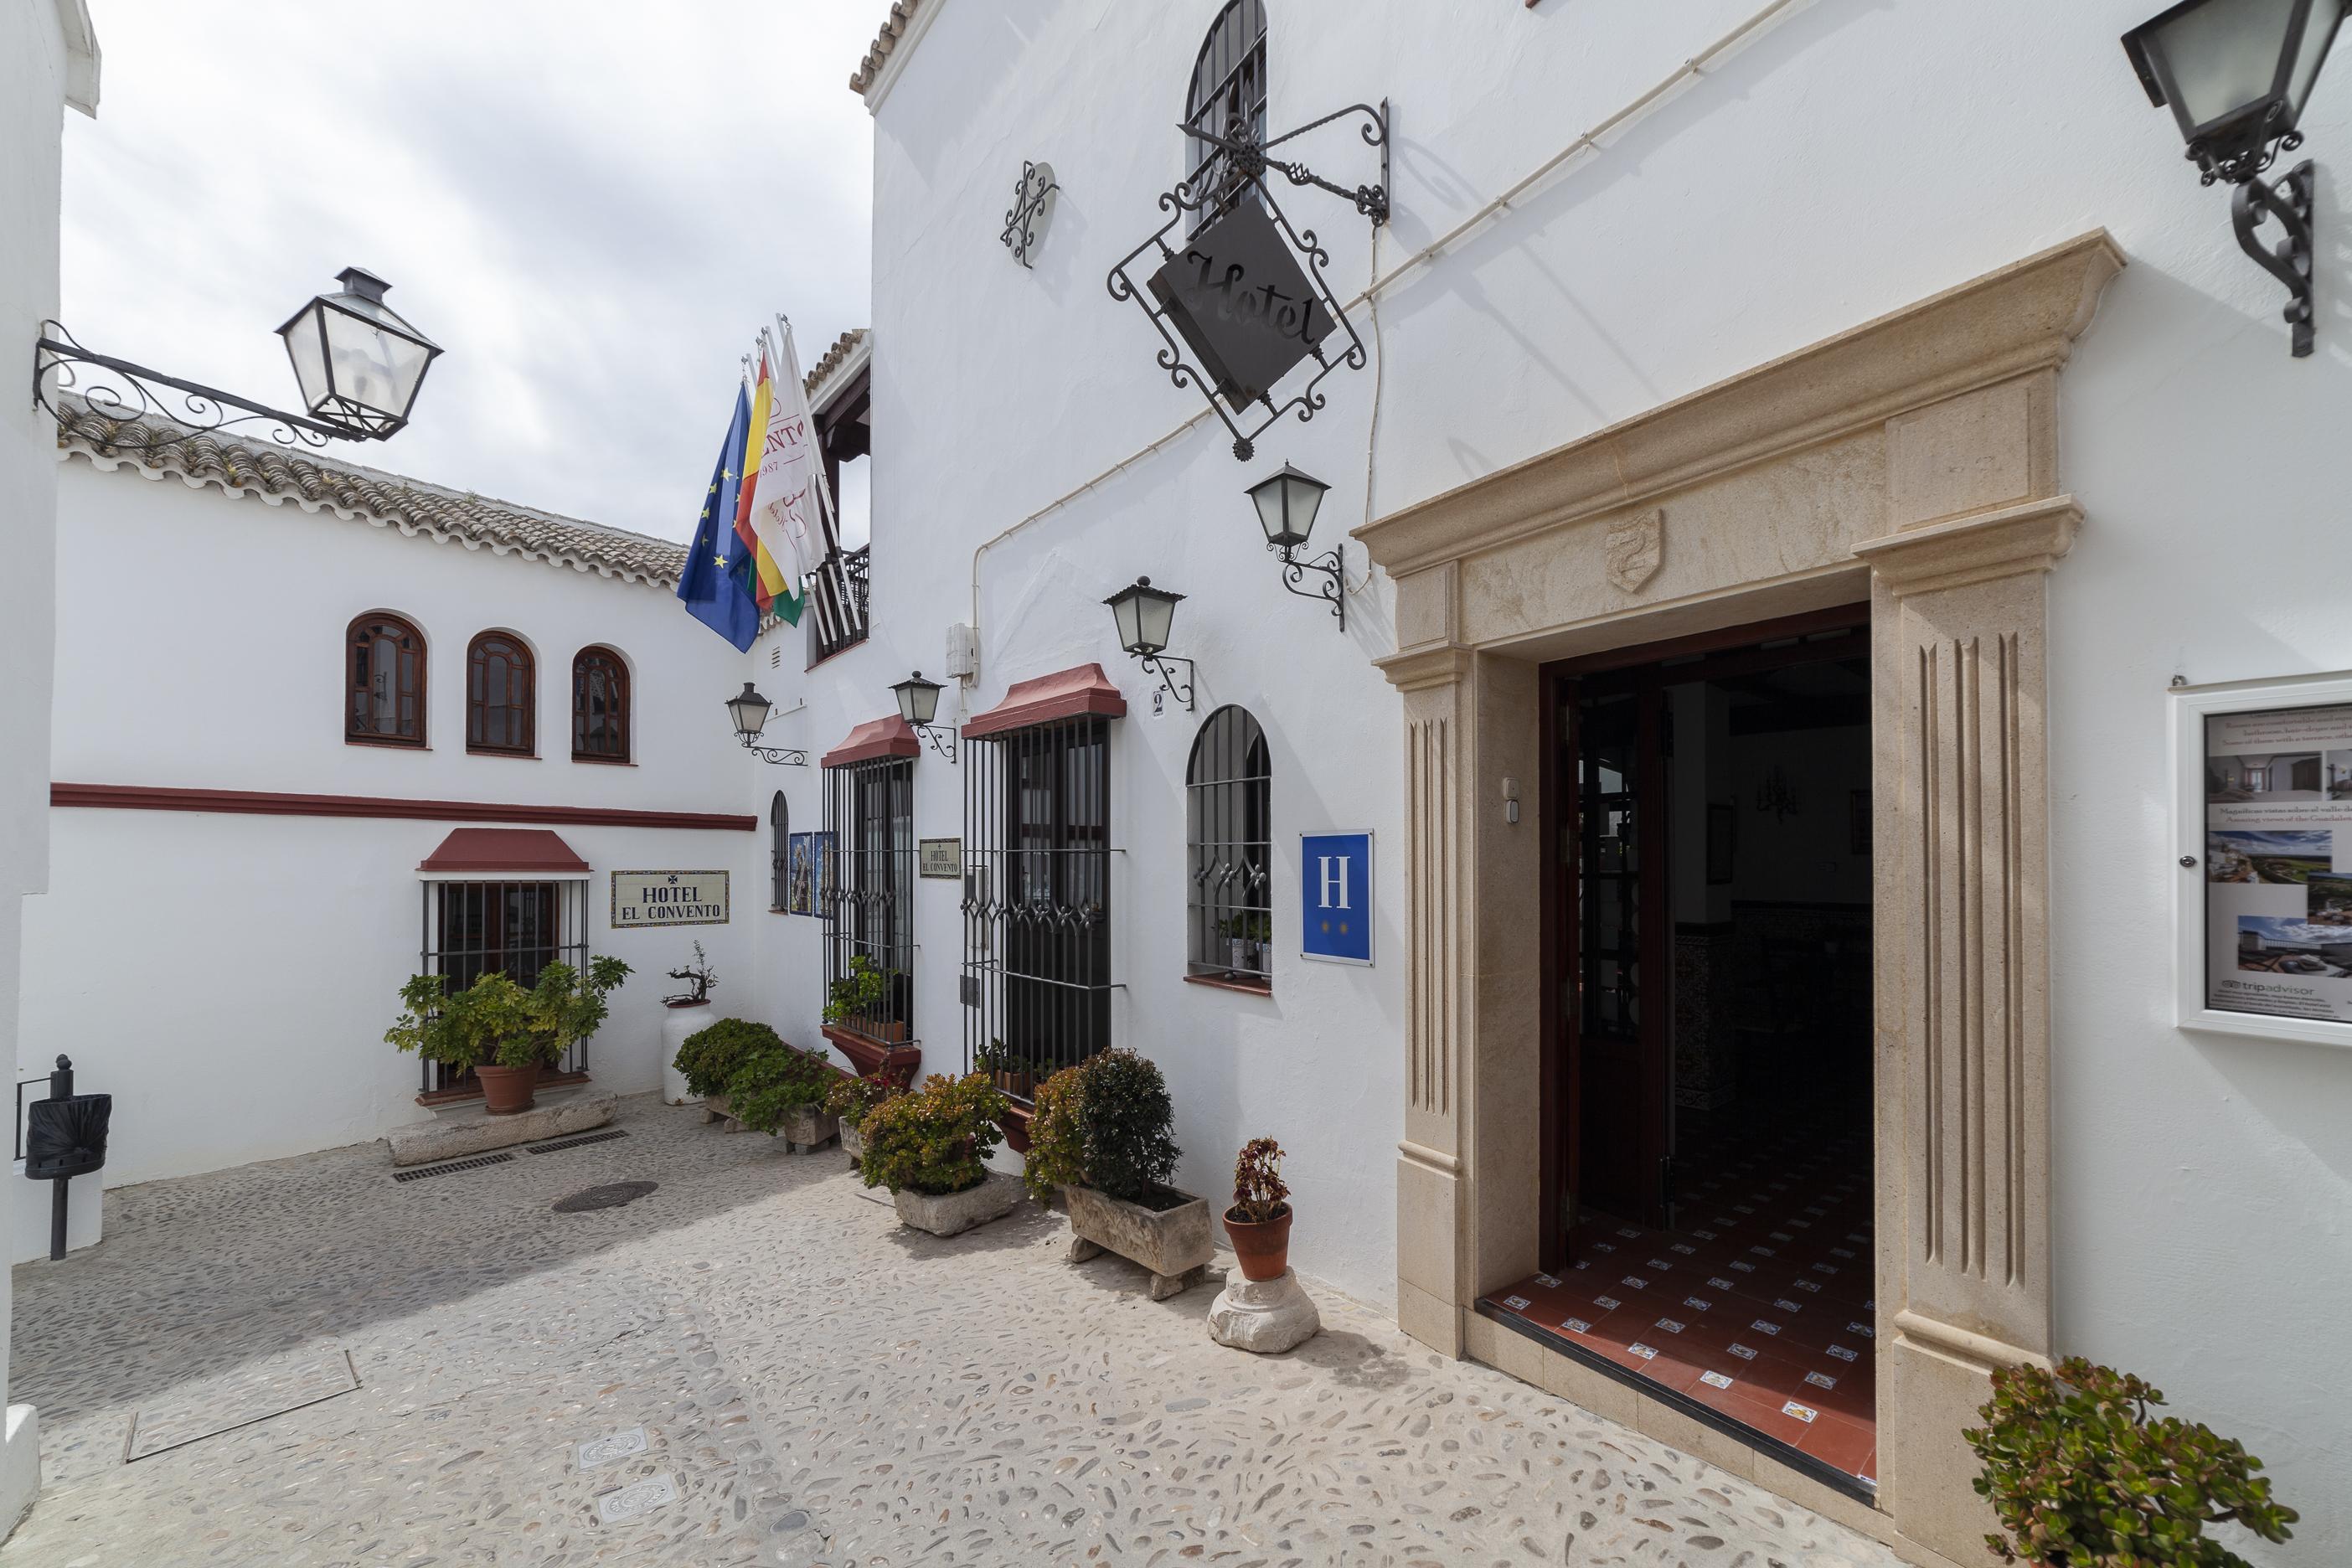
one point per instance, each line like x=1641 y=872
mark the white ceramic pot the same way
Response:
x=678 y=1022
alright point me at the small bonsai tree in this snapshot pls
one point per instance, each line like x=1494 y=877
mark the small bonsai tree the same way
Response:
x=935 y=1140
x=1107 y=1124
x=700 y=977
x=1259 y=1194
x=859 y=994
x=772 y=1082
x=2079 y=1475
x=711 y=1057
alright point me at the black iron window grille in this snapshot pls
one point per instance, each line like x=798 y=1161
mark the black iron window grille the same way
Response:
x=779 y=843
x=1229 y=833
x=865 y=891
x=838 y=609
x=515 y=928
x=1036 y=979
x=1227 y=100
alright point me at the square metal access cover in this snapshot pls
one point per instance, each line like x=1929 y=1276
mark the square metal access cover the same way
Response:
x=239 y=1398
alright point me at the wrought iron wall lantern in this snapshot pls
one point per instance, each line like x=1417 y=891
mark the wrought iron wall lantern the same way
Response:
x=2236 y=74
x=749 y=711
x=357 y=362
x=1144 y=614
x=1244 y=300
x=918 y=704
x=1032 y=213
x=1286 y=503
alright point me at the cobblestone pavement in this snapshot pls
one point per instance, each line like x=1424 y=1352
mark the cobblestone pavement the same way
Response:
x=818 y=1386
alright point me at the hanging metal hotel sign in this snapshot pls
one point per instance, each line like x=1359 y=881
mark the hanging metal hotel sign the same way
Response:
x=1243 y=301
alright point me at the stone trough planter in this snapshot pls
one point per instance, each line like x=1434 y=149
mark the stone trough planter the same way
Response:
x=1172 y=1244
x=803 y=1131
x=954 y=1213
x=851 y=1144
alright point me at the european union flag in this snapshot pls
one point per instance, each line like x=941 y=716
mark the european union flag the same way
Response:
x=715 y=586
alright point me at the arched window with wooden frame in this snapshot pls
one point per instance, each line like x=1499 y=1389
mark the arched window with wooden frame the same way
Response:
x=1229 y=835
x=600 y=705
x=1226 y=98
x=501 y=692
x=780 y=855
x=384 y=681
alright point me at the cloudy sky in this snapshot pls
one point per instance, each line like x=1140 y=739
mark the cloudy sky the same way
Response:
x=591 y=207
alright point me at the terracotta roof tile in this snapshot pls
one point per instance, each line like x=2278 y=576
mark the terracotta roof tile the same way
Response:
x=843 y=347
x=893 y=27
x=277 y=475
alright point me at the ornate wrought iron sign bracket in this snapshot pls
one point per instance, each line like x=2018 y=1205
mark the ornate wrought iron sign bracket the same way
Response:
x=786 y=756
x=1334 y=567
x=118 y=390
x=1031 y=211
x=1242 y=299
x=2289 y=200
x=1156 y=664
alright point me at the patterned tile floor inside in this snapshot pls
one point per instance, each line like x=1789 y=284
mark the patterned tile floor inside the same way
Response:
x=1757 y=1305
x=767 y=1369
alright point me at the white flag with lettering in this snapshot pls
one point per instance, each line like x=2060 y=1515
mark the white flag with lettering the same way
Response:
x=791 y=474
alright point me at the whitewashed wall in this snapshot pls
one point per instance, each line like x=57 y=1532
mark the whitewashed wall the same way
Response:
x=1855 y=157
x=229 y=978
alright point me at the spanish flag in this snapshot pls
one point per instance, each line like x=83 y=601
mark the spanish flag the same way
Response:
x=772 y=584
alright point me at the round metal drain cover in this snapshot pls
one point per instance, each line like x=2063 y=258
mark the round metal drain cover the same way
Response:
x=611 y=1196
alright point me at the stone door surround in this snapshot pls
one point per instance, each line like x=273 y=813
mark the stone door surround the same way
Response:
x=1912 y=460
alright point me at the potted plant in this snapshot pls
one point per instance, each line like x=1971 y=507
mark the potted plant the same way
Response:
x=780 y=1088
x=2079 y=1476
x=1259 y=1220
x=685 y=1012
x=1014 y=1074
x=851 y=1098
x=710 y=1058
x=563 y=1008
x=930 y=1148
x=1103 y=1136
x=1246 y=934
x=858 y=1002
x=501 y=1033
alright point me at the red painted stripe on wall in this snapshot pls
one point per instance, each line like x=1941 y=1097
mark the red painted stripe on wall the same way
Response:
x=271 y=803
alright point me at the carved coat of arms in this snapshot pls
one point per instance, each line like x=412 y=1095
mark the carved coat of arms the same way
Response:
x=1635 y=548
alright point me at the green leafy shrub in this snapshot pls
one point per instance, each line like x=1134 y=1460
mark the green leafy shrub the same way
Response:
x=2079 y=1475
x=486 y=1023
x=564 y=1007
x=775 y=1081
x=1107 y=1124
x=935 y=1140
x=851 y=1099
x=711 y=1057
x=858 y=994
x=1259 y=1194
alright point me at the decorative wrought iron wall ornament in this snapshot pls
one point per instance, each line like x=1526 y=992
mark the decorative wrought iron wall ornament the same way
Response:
x=2236 y=77
x=1235 y=297
x=357 y=362
x=749 y=709
x=1032 y=213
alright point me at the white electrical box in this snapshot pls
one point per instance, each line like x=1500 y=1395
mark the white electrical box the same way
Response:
x=963 y=652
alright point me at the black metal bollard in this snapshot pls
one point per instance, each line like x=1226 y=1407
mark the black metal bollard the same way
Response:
x=65 y=1137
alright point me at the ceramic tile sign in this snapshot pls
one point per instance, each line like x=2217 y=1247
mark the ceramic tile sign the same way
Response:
x=1335 y=897
x=2278 y=861
x=642 y=899
x=940 y=857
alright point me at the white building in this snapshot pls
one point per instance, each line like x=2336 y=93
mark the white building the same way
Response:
x=1796 y=449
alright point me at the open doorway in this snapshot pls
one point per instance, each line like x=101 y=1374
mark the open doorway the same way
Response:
x=1707 y=1233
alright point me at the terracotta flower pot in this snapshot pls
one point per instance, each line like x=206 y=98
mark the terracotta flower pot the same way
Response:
x=1261 y=1248
x=506 y=1091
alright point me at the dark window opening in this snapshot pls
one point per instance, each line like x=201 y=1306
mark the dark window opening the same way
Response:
x=1227 y=99
x=384 y=700
x=600 y=705
x=515 y=928
x=499 y=686
x=780 y=845
x=865 y=889
x=1229 y=838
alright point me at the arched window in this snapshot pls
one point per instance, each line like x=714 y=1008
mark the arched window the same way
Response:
x=600 y=705
x=1227 y=99
x=384 y=681
x=780 y=848
x=499 y=695
x=1228 y=825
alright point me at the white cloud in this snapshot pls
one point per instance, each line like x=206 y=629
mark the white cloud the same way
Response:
x=591 y=207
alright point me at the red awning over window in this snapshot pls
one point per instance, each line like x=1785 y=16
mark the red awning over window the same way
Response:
x=891 y=737
x=1065 y=694
x=521 y=854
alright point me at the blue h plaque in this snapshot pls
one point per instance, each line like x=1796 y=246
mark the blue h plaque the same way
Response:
x=1334 y=899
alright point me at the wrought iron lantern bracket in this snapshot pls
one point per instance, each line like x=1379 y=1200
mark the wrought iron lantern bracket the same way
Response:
x=1025 y=220
x=942 y=741
x=785 y=756
x=1247 y=160
x=118 y=390
x=1333 y=564
x=1156 y=664
x=2289 y=200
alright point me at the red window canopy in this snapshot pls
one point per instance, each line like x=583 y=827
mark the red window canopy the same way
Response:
x=1065 y=694
x=891 y=737
x=491 y=854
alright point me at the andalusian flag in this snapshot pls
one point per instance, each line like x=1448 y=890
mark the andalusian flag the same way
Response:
x=788 y=514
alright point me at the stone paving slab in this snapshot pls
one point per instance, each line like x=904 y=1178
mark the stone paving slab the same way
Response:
x=820 y=1385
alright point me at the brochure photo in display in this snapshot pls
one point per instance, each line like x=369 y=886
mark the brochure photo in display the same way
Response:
x=2278 y=862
